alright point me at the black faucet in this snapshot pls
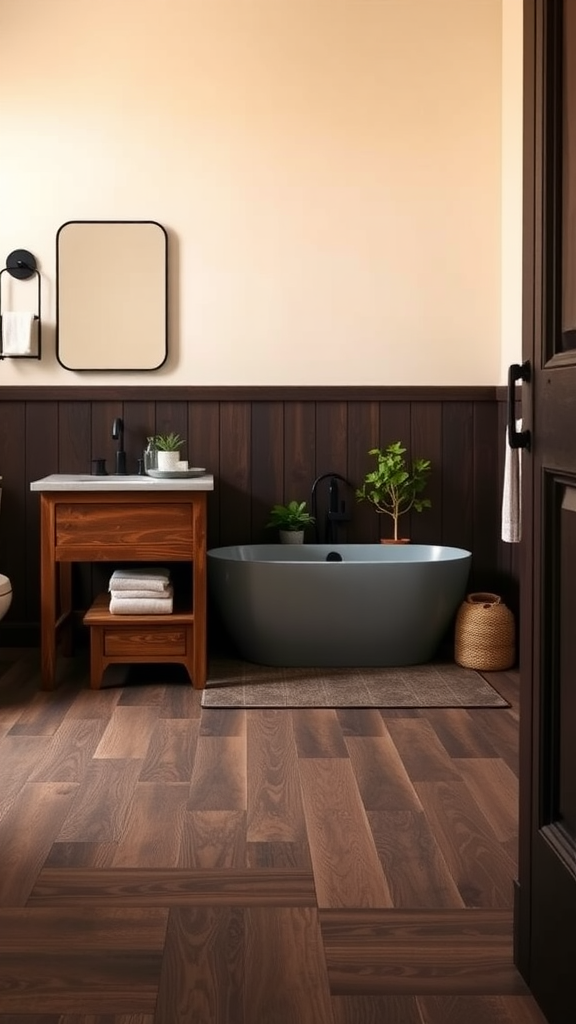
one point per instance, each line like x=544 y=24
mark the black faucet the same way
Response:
x=336 y=510
x=118 y=435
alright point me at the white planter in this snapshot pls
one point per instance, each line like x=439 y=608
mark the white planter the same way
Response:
x=291 y=536
x=168 y=461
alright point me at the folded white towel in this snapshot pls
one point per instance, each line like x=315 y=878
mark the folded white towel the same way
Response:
x=136 y=595
x=139 y=579
x=511 y=494
x=158 y=605
x=18 y=334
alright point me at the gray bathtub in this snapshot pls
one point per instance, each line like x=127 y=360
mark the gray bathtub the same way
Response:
x=374 y=604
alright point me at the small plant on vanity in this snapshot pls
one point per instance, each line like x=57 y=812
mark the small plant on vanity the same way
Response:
x=394 y=487
x=167 y=449
x=290 y=520
x=167 y=442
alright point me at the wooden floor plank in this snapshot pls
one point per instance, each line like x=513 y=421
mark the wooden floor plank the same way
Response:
x=376 y=1010
x=413 y=952
x=128 y=733
x=213 y=840
x=19 y=756
x=479 y=1010
x=495 y=790
x=458 y=733
x=63 y=928
x=102 y=804
x=202 y=976
x=170 y=755
x=413 y=863
x=423 y=755
x=346 y=866
x=137 y=887
x=360 y=721
x=109 y=1018
x=72 y=982
x=285 y=972
x=274 y=811
x=152 y=836
x=279 y=856
x=219 y=776
x=478 y=863
x=69 y=751
x=318 y=734
x=27 y=832
x=381 y=777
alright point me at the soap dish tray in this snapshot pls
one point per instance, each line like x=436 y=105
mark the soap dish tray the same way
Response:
x=176 y=474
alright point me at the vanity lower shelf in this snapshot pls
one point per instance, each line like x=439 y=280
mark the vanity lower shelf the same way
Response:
x=137 y=639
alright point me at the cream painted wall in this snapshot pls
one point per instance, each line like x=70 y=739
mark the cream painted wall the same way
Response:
x=330 y=173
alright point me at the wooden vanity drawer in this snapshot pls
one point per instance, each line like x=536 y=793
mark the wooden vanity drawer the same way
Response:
x=102 y=530
x=143 y=641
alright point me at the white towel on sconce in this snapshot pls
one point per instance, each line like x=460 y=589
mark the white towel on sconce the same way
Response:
x=511 y=495
x=17 y=334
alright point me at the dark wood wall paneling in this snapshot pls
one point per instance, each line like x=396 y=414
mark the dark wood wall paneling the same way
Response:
x=263 y=445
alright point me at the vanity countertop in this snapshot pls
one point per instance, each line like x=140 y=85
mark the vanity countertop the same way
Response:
x=87 y=482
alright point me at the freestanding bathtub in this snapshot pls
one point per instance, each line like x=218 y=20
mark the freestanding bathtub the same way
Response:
x=337 y=604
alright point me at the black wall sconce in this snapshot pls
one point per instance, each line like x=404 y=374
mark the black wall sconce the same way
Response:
x=16 y=335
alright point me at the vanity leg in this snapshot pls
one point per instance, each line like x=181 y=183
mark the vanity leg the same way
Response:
x=47 y=594
x=96 y=656
x=199 y=577
x=65 y=576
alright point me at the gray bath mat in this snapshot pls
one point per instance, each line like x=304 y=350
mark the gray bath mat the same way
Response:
x=238 y=684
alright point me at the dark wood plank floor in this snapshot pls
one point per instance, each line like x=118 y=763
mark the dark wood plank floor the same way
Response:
x=161 y=863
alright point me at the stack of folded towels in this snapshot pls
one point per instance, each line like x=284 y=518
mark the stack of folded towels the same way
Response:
x=140 y=592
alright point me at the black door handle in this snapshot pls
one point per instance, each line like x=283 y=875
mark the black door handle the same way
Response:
x=516 y=438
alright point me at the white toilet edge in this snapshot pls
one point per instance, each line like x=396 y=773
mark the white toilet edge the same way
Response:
x=5 y=585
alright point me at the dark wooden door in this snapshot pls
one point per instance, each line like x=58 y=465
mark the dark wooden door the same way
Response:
x=546 y=912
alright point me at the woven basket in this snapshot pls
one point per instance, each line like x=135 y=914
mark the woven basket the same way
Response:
x=485 y=634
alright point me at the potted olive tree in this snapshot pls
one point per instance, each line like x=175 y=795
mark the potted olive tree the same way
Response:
x=393 y=487
x=290 y=520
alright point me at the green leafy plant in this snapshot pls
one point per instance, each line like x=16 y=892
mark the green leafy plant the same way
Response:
x=292 y=516
x=393 y=487
x=166 y=442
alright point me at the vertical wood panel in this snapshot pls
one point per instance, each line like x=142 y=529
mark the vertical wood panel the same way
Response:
x=74 y=456
x=332 y=457
x=204 y=450
x=74 y=438
x=487 y=497
x=363 y=433
x=172 y=417
x=41 y=459
x=139 y=424
x=426 y=443
x=103 y=446
x=395 y=422
x=12 y=523
x=299 y=450
x=235 y=442
x=267 y=466
x=458 y=474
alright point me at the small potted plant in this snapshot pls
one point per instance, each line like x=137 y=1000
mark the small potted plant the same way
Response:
x=168 y=450
x=393 y=487
x=290 y=520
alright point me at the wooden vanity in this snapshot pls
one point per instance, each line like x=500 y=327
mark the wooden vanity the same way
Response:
x=118 y=520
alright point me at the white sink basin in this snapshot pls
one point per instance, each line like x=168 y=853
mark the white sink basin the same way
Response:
x=87 y=482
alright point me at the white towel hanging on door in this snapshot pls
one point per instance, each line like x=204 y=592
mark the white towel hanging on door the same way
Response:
x=511 y=494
